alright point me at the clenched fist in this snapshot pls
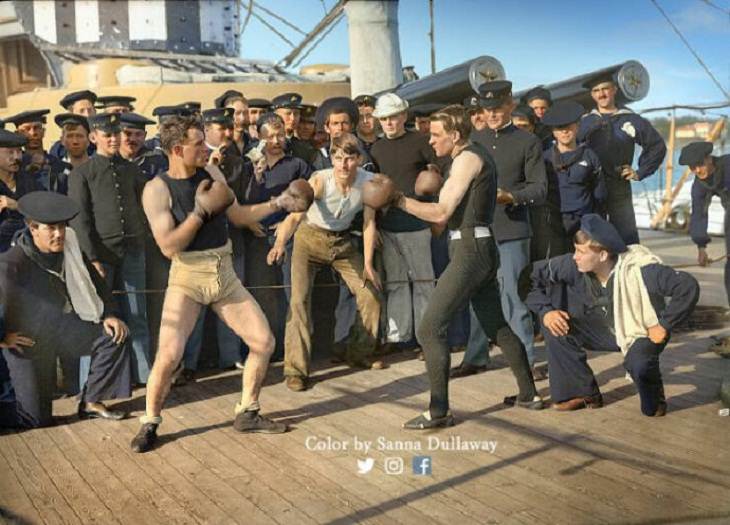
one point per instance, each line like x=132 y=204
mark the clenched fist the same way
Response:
x=211 y=198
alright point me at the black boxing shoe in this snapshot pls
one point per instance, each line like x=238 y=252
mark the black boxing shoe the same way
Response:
x=146 y=438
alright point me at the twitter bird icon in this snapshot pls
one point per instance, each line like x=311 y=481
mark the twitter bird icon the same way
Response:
x=365 y=465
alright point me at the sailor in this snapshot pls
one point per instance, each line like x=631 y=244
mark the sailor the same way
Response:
x=712 y=177
x=115 y=104
x=608 y=297
x=237 y=101
x=576 y=185
x=14 y=183
x=524 y=118
x=77 y=103
x=307 y=126
x=256 y=108
x=476 y=113
x=613 y=132
x=163 y=113
x=193 y=107
x=132 y=145
x=111 y=229
x=367 y=125
x=337 y=116
x=74 y=142
x=540 y=100
x=51 y=171
x=287 y=106
x=54 y=304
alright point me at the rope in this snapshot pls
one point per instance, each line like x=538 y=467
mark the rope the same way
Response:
x=709 y=262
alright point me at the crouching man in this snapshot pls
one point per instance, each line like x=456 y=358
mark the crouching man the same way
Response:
x=54 y=303
x=608 y=296
x=324 y=240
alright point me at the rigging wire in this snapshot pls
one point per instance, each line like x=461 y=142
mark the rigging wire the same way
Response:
x=317 y=42
x=686 y=43
x=278 y=17
x=273 y=29
x=721 y=9
x=248 y=17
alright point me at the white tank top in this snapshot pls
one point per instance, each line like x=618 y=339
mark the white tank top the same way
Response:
x=335 y=211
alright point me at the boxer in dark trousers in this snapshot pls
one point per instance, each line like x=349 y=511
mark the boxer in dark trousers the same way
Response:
x=712 y=177
x=609 y=297
x=466 y=203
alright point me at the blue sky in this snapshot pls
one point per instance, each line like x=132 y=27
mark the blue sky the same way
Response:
x=539 y=41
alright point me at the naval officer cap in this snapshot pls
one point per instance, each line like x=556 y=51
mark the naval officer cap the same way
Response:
x=260 y=103
x=495 y=93
x=47 y=207
x=695 y=153
x=106 y=122
x=63 y=119
x=471 y=103
x=222 y=100
x=538 y=93
x=114 y=100
x=308 y=112
x=171 y=111
x=603 y=232
x=365 y=100
x=8 y=139
x=563 y=114
x=134 y=121
x=72 y=98
x=34 y=115
x=525 y=111
x=600 y=78
x=191 y=106
x=218 y=116
x=287 y=100
x=336 y=105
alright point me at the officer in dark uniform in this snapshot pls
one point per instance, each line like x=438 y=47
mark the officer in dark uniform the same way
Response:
x=115 y=104
x=582 y=301
x=163 y=113
x=133 y=149
x=576 y=185
x=613 y=132
x=111 y=228
x=51 y=171
x=712 y=177
x=14 y=183
x=521 y=183
x=287 y=106
x=540 y=100
x=256 y=108
x=77 y=103
x=53 y=303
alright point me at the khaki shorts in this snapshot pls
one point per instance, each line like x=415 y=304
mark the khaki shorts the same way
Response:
x=207 y=276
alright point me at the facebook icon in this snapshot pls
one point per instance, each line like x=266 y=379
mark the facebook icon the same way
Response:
x=422 y=465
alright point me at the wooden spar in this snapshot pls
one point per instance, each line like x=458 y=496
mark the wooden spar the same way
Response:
x=666 y=208
x=670 y=155
x=432 y=38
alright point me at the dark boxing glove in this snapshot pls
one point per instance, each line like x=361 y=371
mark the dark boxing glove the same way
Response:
x=298 y=197
x=211 y=198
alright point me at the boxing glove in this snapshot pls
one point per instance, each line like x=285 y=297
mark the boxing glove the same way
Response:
x=211 y=198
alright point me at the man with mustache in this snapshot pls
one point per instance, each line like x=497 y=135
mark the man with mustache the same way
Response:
x=132 y=146
x=50 y=171
x=111 y=229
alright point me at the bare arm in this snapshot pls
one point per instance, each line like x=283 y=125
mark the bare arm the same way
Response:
x=156 y=203
x=463 y=170
x=369 y=237
x=242 y=215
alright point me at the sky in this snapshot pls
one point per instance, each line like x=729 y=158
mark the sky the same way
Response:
x=538 y=42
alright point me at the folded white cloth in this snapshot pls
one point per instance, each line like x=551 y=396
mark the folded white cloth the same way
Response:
x=85 y=301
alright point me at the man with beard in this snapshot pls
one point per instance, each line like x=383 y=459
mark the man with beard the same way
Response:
x=188 y=209
x=14 y=183
x=53 y=303
x=287 y=106
x=76 y=103
x=74 y=138
x=51 y=171
x=111 y=229
x=613 y=133
x=132 y=146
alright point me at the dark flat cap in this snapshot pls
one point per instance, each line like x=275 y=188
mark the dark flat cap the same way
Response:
x=365 y=100
x=287 y=100
x=71 y=118
x=593 y=81
x=218 y=116
x=221 y=101
x=525 y=111
x=134 y=120
x=106 y=122
x=70 y=99
x=47 y=207
x=695 y=153
x=308 y=112
x=171 y=111
x=538 y=93
x=191 y=105
x=495 y=93
x=603 y=232
x=563 y=113
x=261 y=103
x=471 y=103
x=8 y=139
x=34 y=115
x=337 y=105
x=114 y=100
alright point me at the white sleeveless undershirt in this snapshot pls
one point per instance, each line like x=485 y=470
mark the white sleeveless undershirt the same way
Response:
x=335 y=211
